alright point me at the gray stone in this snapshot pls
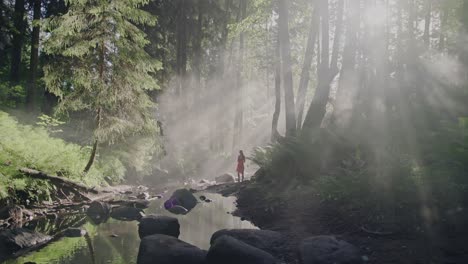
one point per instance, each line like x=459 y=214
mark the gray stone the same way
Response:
x=155 y=224
x=225 y=178
x=328 y=250
x=162 y=249
x=228 y=250
x=185 y=198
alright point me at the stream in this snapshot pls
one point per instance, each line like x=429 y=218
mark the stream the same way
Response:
x=117 y=242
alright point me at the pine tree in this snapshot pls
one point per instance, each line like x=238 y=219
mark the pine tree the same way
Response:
x=103 y=67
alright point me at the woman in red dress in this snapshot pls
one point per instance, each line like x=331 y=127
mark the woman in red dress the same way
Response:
x=240 y=166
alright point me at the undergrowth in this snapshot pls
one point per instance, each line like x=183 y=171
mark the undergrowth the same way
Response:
x=33 y=147
x=376 y=185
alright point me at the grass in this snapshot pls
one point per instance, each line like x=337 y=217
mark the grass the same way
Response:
x=33 y=147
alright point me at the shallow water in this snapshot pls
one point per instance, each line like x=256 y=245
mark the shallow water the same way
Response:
x=196 y=228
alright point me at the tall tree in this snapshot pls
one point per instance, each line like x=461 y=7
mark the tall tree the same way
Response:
x=327 y=71
x=305 y=74
x=181 y=63
x=19 y=30
x=104 y=61
x=283 y=28
x=274 y=124
x=348 y=81
x=197 y=49
x=239 y=111
x=464 y=31
x=443 y=16
x=427 y=22
x=5 y=13
x=34 y=60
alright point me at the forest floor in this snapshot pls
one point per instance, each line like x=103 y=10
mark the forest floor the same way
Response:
x=300 y=214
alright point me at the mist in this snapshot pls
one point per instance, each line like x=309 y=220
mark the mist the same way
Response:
x=328 y=122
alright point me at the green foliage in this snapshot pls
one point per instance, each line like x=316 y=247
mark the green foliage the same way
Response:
x=50 y=123
x=303 y=158
x=383 y=185
x=102 y=65
x=11 y=96
x=33 y=147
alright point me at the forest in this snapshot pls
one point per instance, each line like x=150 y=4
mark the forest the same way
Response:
x=352 y=115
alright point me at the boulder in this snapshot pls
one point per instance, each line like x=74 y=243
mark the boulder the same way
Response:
x=182 y=198
x=14 y=240
x=328 y=250
x=74 y=232
x=99 y=212
x=126 y=213
x=228 y=250
x=266 y=240
x=186 y=198
x=156 y=224
x=164 y=249
x=225 y=178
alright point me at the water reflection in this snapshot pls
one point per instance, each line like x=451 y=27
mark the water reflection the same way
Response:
x=117 y=242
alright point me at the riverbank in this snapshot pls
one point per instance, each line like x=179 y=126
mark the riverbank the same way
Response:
x=299 y=213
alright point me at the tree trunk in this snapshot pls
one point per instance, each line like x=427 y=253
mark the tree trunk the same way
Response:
x=317 y=108
x=267 y=55
x=220 y=125
x=92 y=157
x=4 y=19
x=102 y=61
x=305 y=74
x=443 y=25
x=197 y=59
x=411 y=32
x=181 y=61
x=95 y=145
x=274 y=123
x=285 y=45
x=336 y=41
x=464 y=21
x=60 y=181
x=17 y=42
x=427 y=23
x=239 y=115
x=348 y=81
x=32 y=90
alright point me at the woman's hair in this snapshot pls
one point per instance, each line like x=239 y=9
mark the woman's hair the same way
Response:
x=241 y=152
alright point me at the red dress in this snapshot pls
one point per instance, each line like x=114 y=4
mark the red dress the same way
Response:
x=240 y=164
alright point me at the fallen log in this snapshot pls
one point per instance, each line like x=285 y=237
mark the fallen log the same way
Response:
x=58 y=180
